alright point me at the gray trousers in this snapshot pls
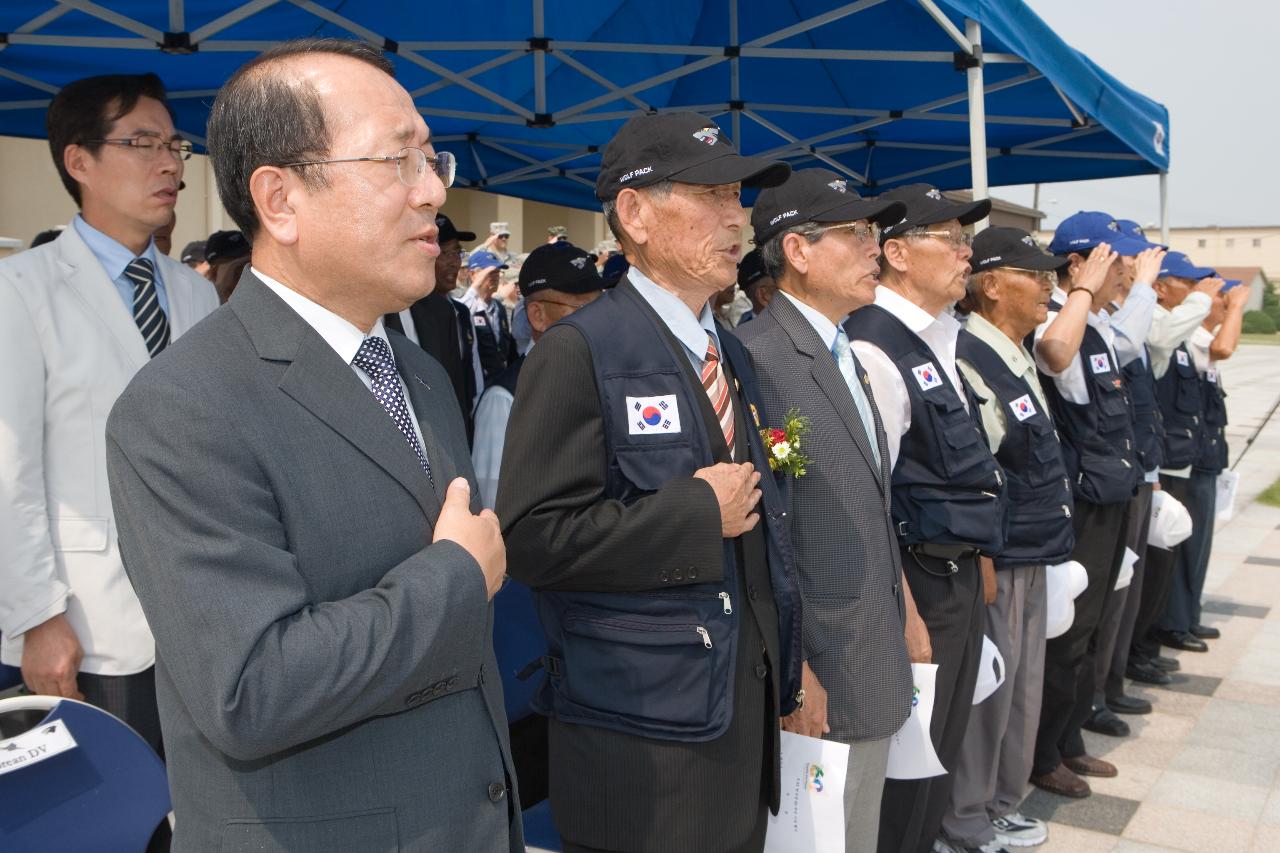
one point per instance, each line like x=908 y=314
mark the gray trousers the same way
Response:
x=990 y=779
x=863 y=786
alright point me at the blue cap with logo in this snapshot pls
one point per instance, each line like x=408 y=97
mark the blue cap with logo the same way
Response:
x=1178 y=265
x=485 y=260
x=1081 y=231
x=1129 y=228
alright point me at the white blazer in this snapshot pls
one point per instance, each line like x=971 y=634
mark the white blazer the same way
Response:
x=68 y=348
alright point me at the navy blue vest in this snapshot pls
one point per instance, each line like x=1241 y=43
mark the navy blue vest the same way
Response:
x=1212 y=458
x=1179 y=396
x=1148 y=424
x=684 y=639
x=1098 y=435
x=947 y=487
x=1040 y=501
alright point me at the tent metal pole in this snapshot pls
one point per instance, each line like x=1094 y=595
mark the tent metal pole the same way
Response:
x=977 y=118
x=1164 y=208
x=734 y=78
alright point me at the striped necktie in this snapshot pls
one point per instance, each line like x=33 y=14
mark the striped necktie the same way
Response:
x=147 y=312
x=717 y=387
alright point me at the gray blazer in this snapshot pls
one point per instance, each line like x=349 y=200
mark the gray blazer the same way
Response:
x=325 y=674
x=846 y=551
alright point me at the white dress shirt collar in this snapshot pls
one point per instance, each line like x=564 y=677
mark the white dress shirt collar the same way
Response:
x=337 y=332
x=826 y=330
x=912 y=315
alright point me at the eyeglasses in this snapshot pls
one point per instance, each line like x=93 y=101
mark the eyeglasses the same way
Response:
x=1048 y=277
x=149 y=146
x=862 y=233
x=411 y=165
x=955 y=239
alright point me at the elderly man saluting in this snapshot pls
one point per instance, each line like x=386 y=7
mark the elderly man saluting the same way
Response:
x=632 y=493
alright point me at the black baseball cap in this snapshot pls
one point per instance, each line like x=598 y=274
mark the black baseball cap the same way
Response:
x=684 y=147
x=448 y=231
x=193 y=252
x=751 y=269
x=817 y=195
x=927 y=206
x=559 y=266
x=225 y=246
x=1012 y=247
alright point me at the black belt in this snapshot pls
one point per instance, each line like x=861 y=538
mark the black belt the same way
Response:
x=943 y=552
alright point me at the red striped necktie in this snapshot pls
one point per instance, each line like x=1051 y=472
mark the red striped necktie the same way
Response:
x=717 y=388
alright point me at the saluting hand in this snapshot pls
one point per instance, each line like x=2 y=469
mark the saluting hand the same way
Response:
x=1146 y=266
x=1092 y=274
x=736 y=492
x=479 y=535
x=1209 y=286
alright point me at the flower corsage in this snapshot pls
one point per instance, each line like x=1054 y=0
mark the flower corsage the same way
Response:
x=784 y=445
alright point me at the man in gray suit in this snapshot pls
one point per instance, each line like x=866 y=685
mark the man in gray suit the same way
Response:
x=320 y=603
x=819 y=241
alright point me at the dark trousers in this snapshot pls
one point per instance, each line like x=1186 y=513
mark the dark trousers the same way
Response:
x=1068 y=661
x=950 y=603
x=1115 y=631
x=1160 y=566
x=1183 y=609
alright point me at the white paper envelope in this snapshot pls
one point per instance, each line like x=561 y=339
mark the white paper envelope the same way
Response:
x=810 y=818
x=1126 y=569
x=911 y=753
x=990 y=672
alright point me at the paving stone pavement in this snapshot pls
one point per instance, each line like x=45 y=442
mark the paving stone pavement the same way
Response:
x=1202 y=771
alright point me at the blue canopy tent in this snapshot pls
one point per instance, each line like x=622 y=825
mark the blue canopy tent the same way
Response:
x=884 y=91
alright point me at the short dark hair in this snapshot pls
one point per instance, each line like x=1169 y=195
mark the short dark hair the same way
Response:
x=263 y=118
x=86 y=109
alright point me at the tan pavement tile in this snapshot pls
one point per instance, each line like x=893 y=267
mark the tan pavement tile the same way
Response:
x=1212 y=796
x=1267 y=695
x=1233 y=766
x=1070 y=839
x=1182 y=829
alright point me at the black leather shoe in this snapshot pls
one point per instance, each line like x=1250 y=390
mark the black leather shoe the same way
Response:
x=1129 y=705
x=1182 y=641
x=1103 y=722
x=1204 y=632
x=1166 y=664
x=1147 y=674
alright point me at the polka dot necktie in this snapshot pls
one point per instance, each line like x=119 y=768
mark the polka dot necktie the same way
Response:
x=717 y=387
x=146 y=305
x=375 y=359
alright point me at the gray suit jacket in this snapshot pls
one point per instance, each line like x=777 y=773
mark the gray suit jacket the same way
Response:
x=846 y=551
x=325 y=674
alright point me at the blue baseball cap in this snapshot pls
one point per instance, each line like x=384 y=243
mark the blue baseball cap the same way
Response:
x=484 y=260
x=1081 y=231
x=1178 y=265
x=1129 y=228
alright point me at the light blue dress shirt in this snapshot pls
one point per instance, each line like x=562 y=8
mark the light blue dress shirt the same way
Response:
x=689 y=330
x=114 y=257
x=1132 y=321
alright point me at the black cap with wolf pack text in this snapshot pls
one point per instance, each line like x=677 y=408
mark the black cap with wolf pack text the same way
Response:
x=926 y=205
x=1012 y=247
x=683 y=147
x=816 y=195
x=559 y=266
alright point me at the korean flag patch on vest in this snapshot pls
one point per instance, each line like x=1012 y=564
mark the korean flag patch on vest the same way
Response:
x=1100 y=362
x=927 y=376
x=1182 y=357
x=653 y=415
x=1022 y=407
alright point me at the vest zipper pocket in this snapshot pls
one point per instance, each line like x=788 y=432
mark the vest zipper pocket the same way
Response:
x=728 y=605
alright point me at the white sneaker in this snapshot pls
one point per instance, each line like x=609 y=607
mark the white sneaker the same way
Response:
x=1017 y=830
x=944 y=846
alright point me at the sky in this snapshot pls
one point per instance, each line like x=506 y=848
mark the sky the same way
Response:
x=1212 y=63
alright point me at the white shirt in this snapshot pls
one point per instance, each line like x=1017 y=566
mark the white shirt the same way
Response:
x=1171 y=328
x=341 y=335
x=940 y=333
x=410 y=330
x=1072 y=382
x=1132 y=322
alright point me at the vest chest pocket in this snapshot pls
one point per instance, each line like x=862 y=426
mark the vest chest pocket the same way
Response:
x=1113 y=409
x=1187 y=397
x=956 y=433
x=647 y=469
